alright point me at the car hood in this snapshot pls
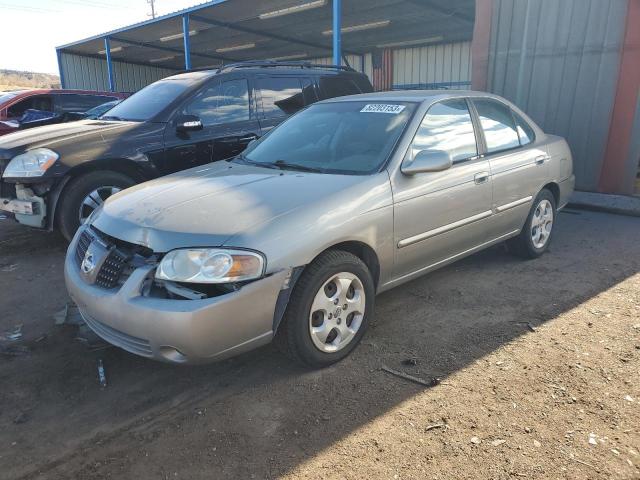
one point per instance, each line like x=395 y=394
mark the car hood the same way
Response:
x=206 y=206
x=58 y=136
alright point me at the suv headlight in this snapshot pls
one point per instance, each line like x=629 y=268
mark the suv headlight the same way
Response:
x=33 y=163
x=210 y=265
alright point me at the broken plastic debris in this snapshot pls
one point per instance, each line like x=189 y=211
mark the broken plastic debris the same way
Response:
x=475 y=440
x=102 y=377
x=592 y=439
x=12 y=334
x=628 y=398
x=10 y=268
x=497 y=443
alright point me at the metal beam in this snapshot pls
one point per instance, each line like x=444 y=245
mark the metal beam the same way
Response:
x=107 y=51
x=273 y=36
x=60 y=69
x=172 y=50
x=187 y=41
x=337 y=34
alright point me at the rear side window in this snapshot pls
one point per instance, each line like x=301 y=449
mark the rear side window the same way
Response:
x=497 y=124
x=337 y=86
x=525 y=132
x=447 y=126
x=71 y=102
x=280 y=95
x=224 y=102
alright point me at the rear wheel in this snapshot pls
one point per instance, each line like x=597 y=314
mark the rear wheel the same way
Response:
x=535 y=236
x=329 y=310
x=84 y=194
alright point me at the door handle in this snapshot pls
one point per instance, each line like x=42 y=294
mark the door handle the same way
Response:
x=541 y=159
x=481 y=177
x=248 y=138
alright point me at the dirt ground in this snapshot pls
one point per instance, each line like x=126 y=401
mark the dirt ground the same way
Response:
x=539 y=364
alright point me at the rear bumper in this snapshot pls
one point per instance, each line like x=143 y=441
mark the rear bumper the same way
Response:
x=177 y=331
x=566 y=189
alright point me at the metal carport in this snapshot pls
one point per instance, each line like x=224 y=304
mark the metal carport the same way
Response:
x=357 y=32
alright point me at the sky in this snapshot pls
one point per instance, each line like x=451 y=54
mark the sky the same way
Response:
x=31 y=29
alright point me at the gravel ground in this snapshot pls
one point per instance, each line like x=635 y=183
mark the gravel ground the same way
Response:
x=538 y=363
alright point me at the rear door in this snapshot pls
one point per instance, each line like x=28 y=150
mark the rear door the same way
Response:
x=519 y=166
x=438 y=215
x=229 y=123
x=281 y=96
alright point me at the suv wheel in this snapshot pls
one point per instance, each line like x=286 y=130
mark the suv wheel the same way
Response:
x=84 y=194
x=535 y=236
x=329 y=310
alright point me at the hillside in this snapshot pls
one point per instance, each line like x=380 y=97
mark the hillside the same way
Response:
x=14 y=79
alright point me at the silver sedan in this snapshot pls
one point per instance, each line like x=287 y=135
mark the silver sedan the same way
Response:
x=293 y=239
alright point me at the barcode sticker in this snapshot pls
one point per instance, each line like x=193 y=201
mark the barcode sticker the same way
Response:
x=382 y=108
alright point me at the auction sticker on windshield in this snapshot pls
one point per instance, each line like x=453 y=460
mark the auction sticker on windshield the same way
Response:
x=382 y=108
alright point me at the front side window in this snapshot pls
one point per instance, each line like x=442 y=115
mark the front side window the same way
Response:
x=353 y=138
x=37 y=102
x=224 y=102
x=447 y=126
x=497 y=124
x=280 y=95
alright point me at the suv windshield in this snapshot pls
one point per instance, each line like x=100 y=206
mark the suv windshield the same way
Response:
x=149 y=101
x=343 y=137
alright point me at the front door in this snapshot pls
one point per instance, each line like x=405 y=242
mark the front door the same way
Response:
x=440 y=215
x=229 y=124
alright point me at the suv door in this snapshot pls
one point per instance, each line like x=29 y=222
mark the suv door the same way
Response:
x=281 y=96
x=519 y=166
x=438 y=215
x=229 y=123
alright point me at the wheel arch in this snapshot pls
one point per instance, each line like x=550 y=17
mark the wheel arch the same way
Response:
x=120 y=165
x=364 y=252
x=554 y=188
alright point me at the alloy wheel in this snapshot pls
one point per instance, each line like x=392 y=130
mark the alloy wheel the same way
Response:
x=93 y=200
x=542 y=223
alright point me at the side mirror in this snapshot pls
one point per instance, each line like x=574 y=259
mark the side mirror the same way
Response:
x=188 y=123
x=427 y=161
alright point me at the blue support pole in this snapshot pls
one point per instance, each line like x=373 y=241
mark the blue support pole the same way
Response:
x=60 y=69
x=187 y=41
x=107 y=50
x=337 y=36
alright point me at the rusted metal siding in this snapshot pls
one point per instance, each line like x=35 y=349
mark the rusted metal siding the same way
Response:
x=558 y=60
x=434 y=66
x=89 y=73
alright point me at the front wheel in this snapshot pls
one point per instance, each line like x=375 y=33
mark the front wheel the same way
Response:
x=84 y=194
x=535 y=236
x=329 y=310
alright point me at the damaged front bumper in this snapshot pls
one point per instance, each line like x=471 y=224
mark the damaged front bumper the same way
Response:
x=176 y=330
x=28 y=208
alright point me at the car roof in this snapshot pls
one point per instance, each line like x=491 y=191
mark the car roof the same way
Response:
x=410 y=96
x=268 y=70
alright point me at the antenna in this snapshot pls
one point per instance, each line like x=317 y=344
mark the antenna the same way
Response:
x=153 y=8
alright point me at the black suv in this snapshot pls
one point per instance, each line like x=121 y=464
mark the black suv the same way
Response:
x=56 y=176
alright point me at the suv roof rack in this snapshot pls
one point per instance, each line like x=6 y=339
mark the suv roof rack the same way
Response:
x=273 y=63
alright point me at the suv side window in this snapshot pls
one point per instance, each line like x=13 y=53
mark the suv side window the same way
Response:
x=337 y=86
x=224 y=102
x=497 y=124
x=280 y=95
x=71 y=102
x=37 y=102
x=447 y=126
x=525 y=132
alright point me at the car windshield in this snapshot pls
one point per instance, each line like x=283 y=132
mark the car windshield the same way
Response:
x=4 y=96
x=342 y=137
x=148 y=102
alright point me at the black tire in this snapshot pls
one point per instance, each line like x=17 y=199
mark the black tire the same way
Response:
x=293 y=337
x=523 y=245
x=74 y=193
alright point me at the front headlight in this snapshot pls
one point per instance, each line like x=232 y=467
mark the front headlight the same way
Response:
x=30 y=164
x=210 y=265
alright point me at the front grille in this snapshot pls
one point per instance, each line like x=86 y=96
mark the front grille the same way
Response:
x=119 y=256
x=132 y=344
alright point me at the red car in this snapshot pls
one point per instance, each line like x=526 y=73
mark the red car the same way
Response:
x=15 y=103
